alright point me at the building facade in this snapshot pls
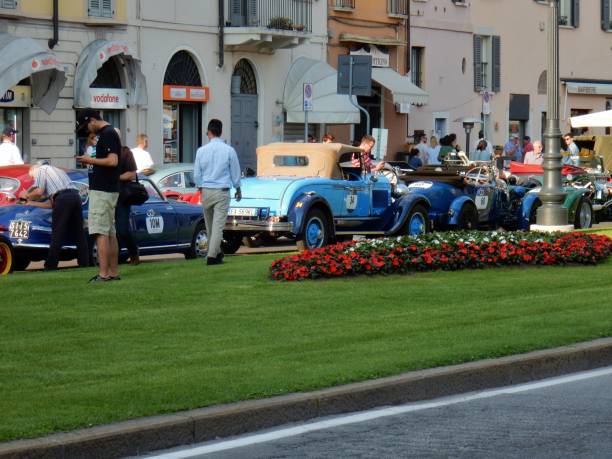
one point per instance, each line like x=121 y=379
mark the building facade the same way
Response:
x=487 y=60
x=381 y=30
x=160 y=67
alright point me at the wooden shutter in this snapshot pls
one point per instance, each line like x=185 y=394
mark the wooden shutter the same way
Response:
x=575 y=13
x=93 y=7
x=496 y=65
x=605 y=14
x=252 y=18
x=9 y=4
x=236 y=13
x=478 y=83
x=106 y=8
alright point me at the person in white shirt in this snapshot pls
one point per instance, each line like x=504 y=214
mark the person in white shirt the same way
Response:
x=535 y=156
x=423 y=149
x=9 y=152
x=141 y=155
x=433 y=151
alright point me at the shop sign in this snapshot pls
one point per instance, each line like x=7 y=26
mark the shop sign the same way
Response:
x=110 y=98
x=600 y=89
x=186 y=93
x=17 y=96
x=379 y=58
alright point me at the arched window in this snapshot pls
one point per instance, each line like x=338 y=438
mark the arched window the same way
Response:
x=248 y=83
x=182 y=70
x=542 y=82
x=108 y=75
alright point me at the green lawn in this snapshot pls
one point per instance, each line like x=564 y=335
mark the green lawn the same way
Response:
x=177 y=335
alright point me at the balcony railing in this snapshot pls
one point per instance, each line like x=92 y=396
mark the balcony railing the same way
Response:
x=397 y=8
x=295 y=15
x=343 y=5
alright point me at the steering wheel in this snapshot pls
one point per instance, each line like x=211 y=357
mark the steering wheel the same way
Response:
x=390 y=173
x=477 y=176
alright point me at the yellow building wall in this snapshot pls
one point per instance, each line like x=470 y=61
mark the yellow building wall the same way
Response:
x=69 y=10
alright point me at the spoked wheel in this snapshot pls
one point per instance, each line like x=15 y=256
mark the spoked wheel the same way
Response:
x=6 y=258
x=584 y=214
x=199 y=243
x=316 y=231
x=417 y=221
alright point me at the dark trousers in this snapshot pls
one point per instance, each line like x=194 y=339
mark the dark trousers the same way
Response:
x=122 y=225
x=67 y=226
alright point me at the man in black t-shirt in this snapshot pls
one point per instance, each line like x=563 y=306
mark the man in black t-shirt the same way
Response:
x=103 y=191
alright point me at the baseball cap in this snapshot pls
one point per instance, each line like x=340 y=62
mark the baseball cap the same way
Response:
x=83 y=119
x=8 y=131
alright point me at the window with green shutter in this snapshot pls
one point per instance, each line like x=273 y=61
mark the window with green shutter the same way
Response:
x=8 y=4
x=100 y=8
x=487 y=63
x=606 y=15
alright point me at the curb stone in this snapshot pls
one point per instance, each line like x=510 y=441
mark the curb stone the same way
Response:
x=139 y=436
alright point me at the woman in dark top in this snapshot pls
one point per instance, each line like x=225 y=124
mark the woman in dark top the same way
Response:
x=413 y=159
x=127 y=169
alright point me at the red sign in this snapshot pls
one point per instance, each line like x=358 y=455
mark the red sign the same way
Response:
x=186 y=93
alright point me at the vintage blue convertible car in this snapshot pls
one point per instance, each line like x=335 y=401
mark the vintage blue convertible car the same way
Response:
x=312 y=192
x=159 y=226
x=471 y=198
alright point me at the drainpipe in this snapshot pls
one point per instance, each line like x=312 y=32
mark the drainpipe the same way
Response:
x=53 y=41
x=221 y=32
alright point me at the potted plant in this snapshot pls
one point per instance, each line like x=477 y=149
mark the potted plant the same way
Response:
x=298 y=27
x=280 y=23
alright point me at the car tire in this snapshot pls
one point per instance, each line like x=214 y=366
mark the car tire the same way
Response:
x=199 y=243
x=584 y=214
x=231 y=244
x=7 y=258
x=417 y=221
x=316 y=231
x=468 y=217
x=20 y=263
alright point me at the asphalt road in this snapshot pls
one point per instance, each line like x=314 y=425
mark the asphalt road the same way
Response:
x=565 y=417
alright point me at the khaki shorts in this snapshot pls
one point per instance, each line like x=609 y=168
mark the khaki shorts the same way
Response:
x=102 y=212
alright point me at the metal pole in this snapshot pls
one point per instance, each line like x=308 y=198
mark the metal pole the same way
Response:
x=367 y=115
x=305 y=125
x=467 y=141
x=552 y=195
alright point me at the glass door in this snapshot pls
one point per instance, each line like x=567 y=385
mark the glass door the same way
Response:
x=190 y=137
x=13 y=117
x=170 y=123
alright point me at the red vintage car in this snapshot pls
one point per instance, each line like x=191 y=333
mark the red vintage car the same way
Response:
x=13 y=180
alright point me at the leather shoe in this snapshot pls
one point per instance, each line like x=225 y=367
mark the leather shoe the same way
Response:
x=214 y=261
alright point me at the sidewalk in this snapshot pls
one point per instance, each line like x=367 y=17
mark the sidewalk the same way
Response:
x=143 y=435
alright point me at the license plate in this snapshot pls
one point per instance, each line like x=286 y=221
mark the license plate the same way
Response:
x=19 y=229
x=243 y=211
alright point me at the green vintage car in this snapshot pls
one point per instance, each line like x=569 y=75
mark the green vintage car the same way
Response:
x=588 y=194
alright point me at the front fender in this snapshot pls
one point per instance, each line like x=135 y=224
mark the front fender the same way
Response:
x=302 y=204
x=404 y=206
x=455 y=209
x=572 y=199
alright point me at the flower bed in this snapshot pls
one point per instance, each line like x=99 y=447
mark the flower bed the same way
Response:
x=447 y=251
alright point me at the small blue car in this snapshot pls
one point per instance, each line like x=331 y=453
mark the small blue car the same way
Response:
x=159 y=226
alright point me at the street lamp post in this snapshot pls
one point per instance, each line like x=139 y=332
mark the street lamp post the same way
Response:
x=551 y=216
x=468 y=126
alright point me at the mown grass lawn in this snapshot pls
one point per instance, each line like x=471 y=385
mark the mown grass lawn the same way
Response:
x=177 y=335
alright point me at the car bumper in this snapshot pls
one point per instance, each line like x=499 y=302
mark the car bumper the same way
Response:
x=259 y=226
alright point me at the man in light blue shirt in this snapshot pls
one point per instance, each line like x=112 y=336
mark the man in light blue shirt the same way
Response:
x=215 y=171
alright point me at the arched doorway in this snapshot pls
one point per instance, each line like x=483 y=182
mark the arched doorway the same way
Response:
x=182 y=110
x=244 y=113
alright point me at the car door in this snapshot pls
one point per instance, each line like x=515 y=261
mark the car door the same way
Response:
x=154 y=223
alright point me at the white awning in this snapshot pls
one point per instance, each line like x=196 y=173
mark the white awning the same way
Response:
x=404 y=91
x=328 y=106
x=91 y=60
x=598 y=119
x=22 y=58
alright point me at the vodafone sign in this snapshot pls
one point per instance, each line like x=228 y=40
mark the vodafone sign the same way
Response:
x=107 y=98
